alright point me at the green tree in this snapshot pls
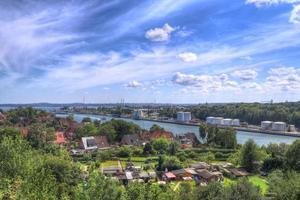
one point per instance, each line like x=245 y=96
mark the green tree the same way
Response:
x=160 y=145
x=242 y=190
x=39 y=135
x=156 y=127
x=108 y=130
x=284 y=186
x=147 y=149
x=203 y=131
x=86 y=130
x=249 y=155
x=214 y=191
x=173 y=147
x=293 y=156
x=170 y=163
x=86 y=120
x=98 y=187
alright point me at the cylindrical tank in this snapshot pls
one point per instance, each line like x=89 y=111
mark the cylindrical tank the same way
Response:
x=227 y=122
x=279 y=126
x=235 y=122
x=265 y=125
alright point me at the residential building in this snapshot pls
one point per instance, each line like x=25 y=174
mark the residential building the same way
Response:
x=94 y=142
x=132 y=140
x=59 y=138
x=168 y=176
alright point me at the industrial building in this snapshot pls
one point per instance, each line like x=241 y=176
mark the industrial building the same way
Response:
x=279 y=126
x=266 y=125
x=138 y=114
x=184 y=116
x=222 y=121
x=274 y=126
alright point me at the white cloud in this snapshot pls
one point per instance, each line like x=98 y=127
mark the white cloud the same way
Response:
x=134 y=84
x=188 y=57
x=270 y=2
x=160 y=34
x=224 y=77
x=284 y=79
x=247 y=74
x=295 y=15
x=280 y=71
x=251 y=85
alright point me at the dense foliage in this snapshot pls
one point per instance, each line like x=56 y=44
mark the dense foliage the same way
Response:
x=252 y=113
x=223 y=137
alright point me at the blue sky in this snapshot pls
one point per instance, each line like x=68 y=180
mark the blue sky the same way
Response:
x=187 y=51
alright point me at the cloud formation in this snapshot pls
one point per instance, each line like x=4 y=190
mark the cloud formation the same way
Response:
x=188 y=57
x=134 y=84
x=160 y=34
x=246 y=75
x=295 y=13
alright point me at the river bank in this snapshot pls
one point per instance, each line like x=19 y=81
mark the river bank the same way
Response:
x=245 y=129
x=179 y=129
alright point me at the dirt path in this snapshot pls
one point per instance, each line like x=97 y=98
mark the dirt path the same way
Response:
x=176 y=186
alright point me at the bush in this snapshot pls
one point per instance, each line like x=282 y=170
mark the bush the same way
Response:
x=125 y=151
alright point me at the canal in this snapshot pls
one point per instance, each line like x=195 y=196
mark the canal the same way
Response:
x=178 y=129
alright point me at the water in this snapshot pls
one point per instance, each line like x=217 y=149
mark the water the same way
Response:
x=178 y=129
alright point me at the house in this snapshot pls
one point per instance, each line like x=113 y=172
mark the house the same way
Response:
x=185 y=142
x=182 y=173
x=165 y=134
x=59 y=138
x=145 y=176
x=89 y=143
x=94 y=142
x=192 y=137
x=207 y=176
x=200 y=165
x=238 y=172
x=152 y=175
x=24 y=132
x=101 y=142
x=132 y=140
x=168 y=176
x=112 y=171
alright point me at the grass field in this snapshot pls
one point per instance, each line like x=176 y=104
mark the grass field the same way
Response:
x=109 y=163
x=260 y=182
x=255 y=180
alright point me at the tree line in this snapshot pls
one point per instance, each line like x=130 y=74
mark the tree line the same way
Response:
x=253 y=113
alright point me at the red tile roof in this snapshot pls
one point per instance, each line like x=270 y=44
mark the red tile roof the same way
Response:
x=169 y=175
x=24 y=132
x=165 y=134
x=60 y=138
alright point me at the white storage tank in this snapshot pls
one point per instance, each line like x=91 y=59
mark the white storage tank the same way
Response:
x=279 y=126
x=210 y=120
x=218 y=120
x=265 y=125
x=292 y=128
x=235 y=122
x=227 y=122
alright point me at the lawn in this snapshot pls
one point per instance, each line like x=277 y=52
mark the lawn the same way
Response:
x=109 y=163
x=255 y=180
x=260 y=182
x=227 y=182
